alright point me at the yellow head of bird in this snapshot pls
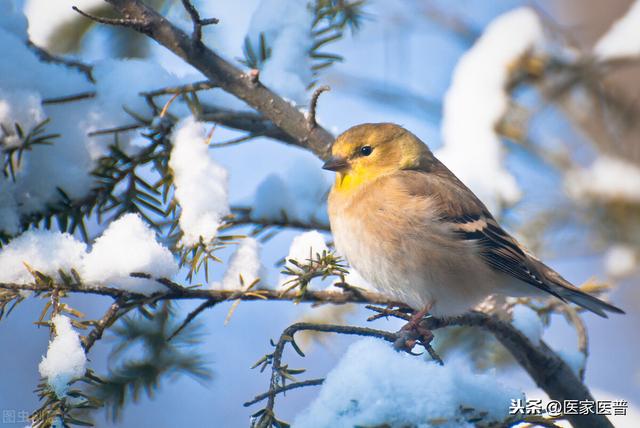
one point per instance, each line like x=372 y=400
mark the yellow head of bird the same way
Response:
x=365 y=152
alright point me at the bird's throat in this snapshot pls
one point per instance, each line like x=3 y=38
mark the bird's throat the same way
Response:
x=349 y=181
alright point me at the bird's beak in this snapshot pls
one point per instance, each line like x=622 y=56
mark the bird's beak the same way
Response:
x=336 y=164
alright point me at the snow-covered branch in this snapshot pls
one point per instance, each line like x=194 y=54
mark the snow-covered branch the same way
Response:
x=286 y=117
x=544 y=366
x=177 y=292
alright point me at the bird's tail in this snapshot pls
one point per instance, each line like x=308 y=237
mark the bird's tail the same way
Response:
x=587 y=301
x=568 y=292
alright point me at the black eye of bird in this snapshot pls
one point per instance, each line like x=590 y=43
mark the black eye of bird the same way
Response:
x=366 y=150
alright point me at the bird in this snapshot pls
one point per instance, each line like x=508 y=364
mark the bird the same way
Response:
x=420 y=236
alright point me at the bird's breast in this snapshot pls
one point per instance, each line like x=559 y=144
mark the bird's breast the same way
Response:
x=397 y=243
x=387 y=240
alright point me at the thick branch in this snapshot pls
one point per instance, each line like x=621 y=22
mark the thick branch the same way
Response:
x=230 y=78
x=544 y=366
x=549 y=372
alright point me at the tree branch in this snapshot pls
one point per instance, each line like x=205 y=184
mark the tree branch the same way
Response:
x=48 y=57
x=242 y=216
x=112 y=314
x=311 y=120
x=548 y=370
x=198 y=23
x=279 y=372
x=544 y=366
x=295 y=385
x=192 y=315
x=69 y=98
x=246 y=121
x=252 y=122
x=181 y=89
x=279 y=119
x=281 y=113
x=177 y=292
x=136 y=24
x=581 y=331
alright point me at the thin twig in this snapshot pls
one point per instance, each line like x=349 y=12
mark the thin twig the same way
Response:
x=192 y=315
x=46 y=56
x=173 y=286
x=346 y=287
x=69 y=98
x=137 y=24
x=234 y=141
x=289 y=387
x=576 y=320
x=198 y=23
x=166 y=106
x=244 y=120
x=387 y=312
x=311 y=119
x=181 y=89
x=242 y=216
x=112 y=314
x=115 y=130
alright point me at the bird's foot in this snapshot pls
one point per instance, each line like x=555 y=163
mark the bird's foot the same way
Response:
x=416 y=319
x=410 y=336
x=415 y=332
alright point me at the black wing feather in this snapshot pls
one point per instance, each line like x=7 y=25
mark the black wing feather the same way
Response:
x=498 y=249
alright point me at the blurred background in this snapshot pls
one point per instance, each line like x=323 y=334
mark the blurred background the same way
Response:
x=570 y=138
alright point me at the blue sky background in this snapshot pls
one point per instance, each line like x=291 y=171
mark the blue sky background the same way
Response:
x=398 y=49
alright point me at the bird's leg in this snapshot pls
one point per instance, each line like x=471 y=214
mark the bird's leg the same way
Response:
x=414 y=332
x=416 y=319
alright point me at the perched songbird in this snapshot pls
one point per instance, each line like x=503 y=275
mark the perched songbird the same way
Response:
x=419 y=235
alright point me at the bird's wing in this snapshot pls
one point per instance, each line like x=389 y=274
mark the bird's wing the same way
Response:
x=469 y=220
x=502 y=252
x=498 y=249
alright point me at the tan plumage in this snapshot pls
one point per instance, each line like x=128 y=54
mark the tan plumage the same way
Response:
x=417 y=233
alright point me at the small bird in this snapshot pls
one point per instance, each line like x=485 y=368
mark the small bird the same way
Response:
x=413 y=230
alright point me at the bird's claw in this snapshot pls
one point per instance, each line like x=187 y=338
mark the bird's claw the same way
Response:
x=410 y=335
